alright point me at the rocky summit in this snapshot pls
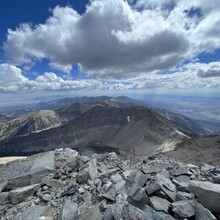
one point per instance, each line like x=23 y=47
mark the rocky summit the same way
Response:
x=65 y=185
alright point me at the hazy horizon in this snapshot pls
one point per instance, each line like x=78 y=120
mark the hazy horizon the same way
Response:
x=141 y=49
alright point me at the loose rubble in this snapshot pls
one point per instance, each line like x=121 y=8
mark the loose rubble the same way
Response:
x=110 y=187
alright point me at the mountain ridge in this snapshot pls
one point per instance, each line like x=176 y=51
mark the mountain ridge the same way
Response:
x=108 y=126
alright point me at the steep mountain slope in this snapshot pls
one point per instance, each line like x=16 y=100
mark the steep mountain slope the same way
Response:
x=197 y=150
x=135 y=130
x=188 y=123
x=72 y=111
x=5 y=118
x=29 y=123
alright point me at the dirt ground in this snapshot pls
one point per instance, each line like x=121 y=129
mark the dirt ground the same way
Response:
x=4 y=160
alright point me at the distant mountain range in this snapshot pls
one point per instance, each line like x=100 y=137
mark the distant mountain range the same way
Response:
x=98 y=123
x=66 y=102
x=196 y=126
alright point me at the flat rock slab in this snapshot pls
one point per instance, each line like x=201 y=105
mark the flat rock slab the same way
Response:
x=46 y=160
x=32 y=177
x=208 y=194
x=130 y=212
x=69 y=210
x=184 y=209
x=159 y=204
x=36 y=212
x=94 y=213
x=151 y=214
x=138 y=194
x=21 y=194
x=203 y=214
x=4 y=198
x=135 y=178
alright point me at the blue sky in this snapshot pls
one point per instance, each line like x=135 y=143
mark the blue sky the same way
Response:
x=116 y=46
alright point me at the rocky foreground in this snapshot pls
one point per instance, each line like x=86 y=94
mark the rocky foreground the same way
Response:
x=68 y=186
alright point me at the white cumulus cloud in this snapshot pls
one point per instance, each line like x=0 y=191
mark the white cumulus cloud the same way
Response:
x=126 y=42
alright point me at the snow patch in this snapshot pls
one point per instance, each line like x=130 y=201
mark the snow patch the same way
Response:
x=128 y=118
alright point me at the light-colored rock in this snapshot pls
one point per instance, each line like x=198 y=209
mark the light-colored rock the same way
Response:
x=159 y=204
x=116 y=178
x=121 y=187
x=93 y=213
x=37 y=212
x=65 y=158
x=206 y=167
x=112 y=156
x=46 y=160
x=208 y=194
x=110 y=194
x=184 y=209
x=88 y=171
x=130 y=212
x=69 y=210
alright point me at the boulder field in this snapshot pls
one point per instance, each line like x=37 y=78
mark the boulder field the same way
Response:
x=70 y=186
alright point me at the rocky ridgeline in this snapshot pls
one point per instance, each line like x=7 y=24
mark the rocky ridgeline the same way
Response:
x=110 y=187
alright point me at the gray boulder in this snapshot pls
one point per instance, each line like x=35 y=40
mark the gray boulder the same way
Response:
x=182 y=182
x=21 y=194
x=69 y=210
x=93 y=213
x=87 y=171
x=208 y=194
x=161 y=182
x=216 y=179
x=116 y=178
x=109 y=214
x=37 y=212
x=130 y=212
x=180 y=170
x=206 y=167
x=65 y=158
x=110 y=194
x=70 y=190
x=33 y=177
x=151 y=214
x=112 y=156
x=184 y=209
x=159 y=204
x=184 y=196
x=203 y=214
x=138 y=194
x=46 y=160
x=4 y=198
x=153 y=169
x=135 y=178
x=3 y=184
